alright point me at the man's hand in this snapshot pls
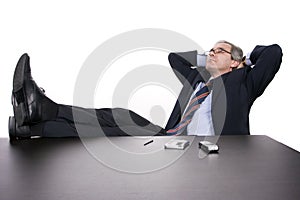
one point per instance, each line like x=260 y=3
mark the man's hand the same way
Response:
x=243 y=63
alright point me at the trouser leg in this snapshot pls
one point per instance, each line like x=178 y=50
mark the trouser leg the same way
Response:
x=75 y=121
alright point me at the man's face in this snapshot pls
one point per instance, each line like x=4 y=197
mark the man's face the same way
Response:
x=219 y=59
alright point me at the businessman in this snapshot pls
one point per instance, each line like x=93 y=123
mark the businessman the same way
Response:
x=214 y=100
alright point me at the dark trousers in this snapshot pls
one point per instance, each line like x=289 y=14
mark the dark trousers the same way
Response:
x=72 y=121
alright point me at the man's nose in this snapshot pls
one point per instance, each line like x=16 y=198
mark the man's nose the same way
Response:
x=211 y=53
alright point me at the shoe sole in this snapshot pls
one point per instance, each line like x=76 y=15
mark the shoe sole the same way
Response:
x=13 y=134
x=12 y=128
x=19 y=72
x=20 y=111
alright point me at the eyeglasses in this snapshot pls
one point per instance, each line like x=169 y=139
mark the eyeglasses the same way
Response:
x=217 y=51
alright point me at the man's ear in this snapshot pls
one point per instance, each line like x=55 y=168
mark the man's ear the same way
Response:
x=234 y=64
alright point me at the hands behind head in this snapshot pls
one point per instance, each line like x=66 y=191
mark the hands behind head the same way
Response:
x=243 y=63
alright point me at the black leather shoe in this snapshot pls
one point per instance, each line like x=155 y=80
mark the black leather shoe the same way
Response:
x=17 y=132
x=26 y=95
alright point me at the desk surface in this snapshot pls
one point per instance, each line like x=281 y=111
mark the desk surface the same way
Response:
x=247 y=167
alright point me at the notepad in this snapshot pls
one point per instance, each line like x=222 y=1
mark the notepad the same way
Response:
x=177 y=144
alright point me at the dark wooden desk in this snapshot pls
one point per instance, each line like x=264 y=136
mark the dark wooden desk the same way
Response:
x=247 y=167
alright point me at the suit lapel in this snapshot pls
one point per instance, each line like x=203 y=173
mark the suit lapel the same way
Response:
x=219 y=88
x=184 y=96
x=219 y=103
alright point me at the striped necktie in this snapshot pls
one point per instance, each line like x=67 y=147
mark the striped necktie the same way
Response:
x=194 y=104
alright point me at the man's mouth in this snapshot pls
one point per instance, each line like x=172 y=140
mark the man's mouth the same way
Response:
x=211 y=60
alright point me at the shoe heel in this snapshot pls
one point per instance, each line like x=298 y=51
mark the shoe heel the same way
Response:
x=17 y=132
x=20 y=114
x=12 y=128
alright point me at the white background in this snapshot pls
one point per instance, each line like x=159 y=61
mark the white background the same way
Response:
x=59 y=36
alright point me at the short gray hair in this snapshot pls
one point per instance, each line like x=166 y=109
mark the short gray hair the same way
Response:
x=236 y=52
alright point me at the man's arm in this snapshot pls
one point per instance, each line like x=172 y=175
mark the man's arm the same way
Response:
x=266 y=61
x=181 y=63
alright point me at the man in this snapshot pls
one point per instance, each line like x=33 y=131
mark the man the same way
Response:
x=235 y=87
x=214 y=100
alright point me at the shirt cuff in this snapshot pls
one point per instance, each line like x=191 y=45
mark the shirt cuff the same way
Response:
x=201 y=60
x=247 y=60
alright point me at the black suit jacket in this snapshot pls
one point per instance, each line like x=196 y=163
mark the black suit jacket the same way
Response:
x=233 y=92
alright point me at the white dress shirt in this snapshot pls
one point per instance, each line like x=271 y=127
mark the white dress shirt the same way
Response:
x=201 y=123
